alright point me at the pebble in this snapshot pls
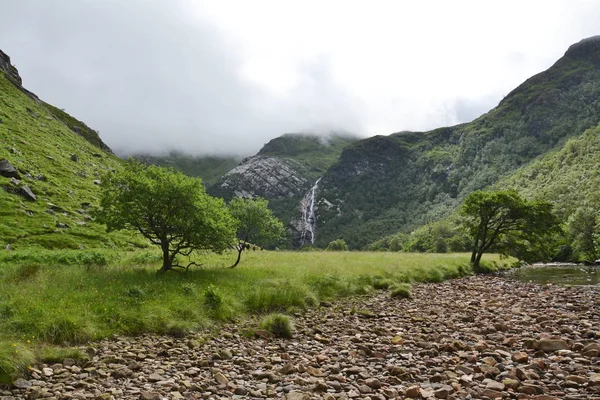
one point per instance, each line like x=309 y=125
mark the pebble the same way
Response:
x=482 y=337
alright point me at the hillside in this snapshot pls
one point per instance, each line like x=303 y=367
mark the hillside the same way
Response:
x=387 y=184
x=209 y=168
x=569 y=177
x=284 y=171
x=47 y=200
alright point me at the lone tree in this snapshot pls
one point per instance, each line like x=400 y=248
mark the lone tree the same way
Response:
x=170 y=209
x=584 y=231
x=256 y=224
x=507 y=222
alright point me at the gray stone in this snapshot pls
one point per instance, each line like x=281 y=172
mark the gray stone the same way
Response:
x=8 y=170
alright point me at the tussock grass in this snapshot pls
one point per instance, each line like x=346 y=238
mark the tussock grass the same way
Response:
x=279 y=325
x=70 y=297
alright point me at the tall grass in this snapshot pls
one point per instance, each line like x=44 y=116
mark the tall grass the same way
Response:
x=71 y=297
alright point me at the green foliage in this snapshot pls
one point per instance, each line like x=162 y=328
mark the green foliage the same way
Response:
x=170 y=209
x=337 y=245
x=279 y=325
x=402 y=290
x=384 y=185
x=505 y=221
x=584 y=232
x=14 y=360
x=212 y=297
x=39 y=143
x=255 y=223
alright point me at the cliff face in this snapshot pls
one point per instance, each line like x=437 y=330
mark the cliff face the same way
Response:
x=11 y=72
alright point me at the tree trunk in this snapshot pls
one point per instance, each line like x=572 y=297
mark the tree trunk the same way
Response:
x=167 y=261
x=240 y=247
x=476 y=266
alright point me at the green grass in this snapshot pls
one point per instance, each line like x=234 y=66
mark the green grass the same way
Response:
x=35 y=139
x=72 y=297
x=279 y=325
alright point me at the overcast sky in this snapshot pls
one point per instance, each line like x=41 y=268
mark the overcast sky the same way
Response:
x=224 y=76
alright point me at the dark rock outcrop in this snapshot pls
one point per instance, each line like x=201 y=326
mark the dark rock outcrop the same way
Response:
x=8 y=170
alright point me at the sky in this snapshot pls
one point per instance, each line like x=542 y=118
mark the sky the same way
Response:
x=225 y=77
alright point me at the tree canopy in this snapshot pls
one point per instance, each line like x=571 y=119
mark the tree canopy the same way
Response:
x=256 y=224
x=170 y=209
x=508 y=223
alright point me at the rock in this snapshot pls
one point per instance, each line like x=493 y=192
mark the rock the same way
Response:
x=441 y=393
x=511 y=383
x=493 y=385
x=580 y=380
x=551 y=345
x=220 y=378
x=294 y=395
x=47 y=371
x=7 y=170
x=520 y=357
x=413 y=392
x=594 y=379
x=146 y=395
x=62 y=226
x=104 y=396
x=373 y=383
x=97 y=182
x=74 y=157
x=492 y=394
x=155 y=378
x=21 y=383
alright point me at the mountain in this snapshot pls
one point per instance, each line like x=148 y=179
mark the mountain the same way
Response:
x=387 y=184
x=283 y=172
x=50 y=166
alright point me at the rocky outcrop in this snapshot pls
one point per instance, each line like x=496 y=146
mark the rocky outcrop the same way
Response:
x=9 y=69
x=268 y=177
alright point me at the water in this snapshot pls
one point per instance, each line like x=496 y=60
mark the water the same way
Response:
x=309 y=219
x=562 y=274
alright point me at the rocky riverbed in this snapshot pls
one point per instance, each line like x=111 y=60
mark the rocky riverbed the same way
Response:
x=471 y=338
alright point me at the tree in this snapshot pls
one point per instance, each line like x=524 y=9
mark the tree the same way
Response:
x=337 y=245
x=170 y=209
x=256 y=224
x=507 y=222
x=583 y=230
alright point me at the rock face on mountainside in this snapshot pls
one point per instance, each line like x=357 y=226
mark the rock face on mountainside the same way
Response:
x=268 y=177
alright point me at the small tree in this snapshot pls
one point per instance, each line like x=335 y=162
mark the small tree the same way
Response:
x=583 y=228
x=506 y=221
x=256 y=224
x=337 y=245
x=170 y=209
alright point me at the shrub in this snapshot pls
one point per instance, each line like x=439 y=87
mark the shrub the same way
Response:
x=337 y=245
x=278 y=325
x=382 y=284
x=212 y=298
x=402 y=290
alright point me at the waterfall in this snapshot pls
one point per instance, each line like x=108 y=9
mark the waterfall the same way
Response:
x=308 y=223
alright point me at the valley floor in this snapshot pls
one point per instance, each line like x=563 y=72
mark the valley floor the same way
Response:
x=479 y=337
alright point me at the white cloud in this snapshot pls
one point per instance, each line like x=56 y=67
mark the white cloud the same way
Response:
x=227 y=76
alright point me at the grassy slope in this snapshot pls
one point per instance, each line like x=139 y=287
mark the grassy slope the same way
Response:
x=387 y=184
x=569 y=177
x=112 y=292
x=36 y=143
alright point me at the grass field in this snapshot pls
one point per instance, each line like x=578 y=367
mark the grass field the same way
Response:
x=60 y=298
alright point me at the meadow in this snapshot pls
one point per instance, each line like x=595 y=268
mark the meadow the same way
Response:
x=53 y=300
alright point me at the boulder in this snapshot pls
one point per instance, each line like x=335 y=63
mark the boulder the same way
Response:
x=8 y=170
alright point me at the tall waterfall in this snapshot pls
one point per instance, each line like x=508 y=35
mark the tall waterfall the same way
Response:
x=309 y=219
